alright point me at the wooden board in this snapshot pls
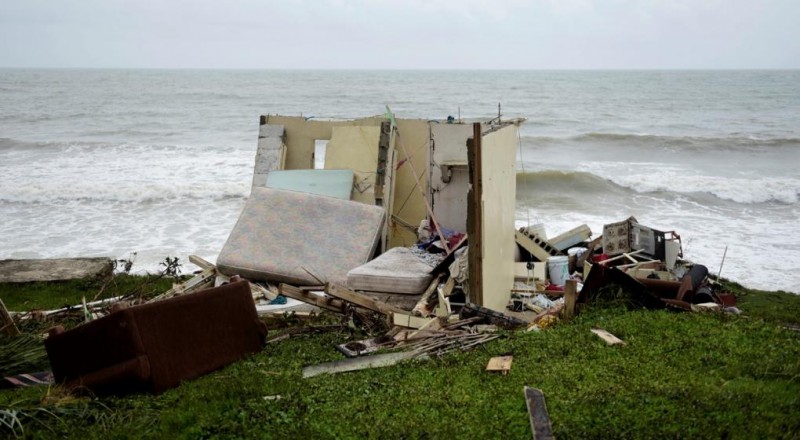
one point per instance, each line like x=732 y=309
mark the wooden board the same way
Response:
x=607 y=337
x=500 y=363
x=540 y=418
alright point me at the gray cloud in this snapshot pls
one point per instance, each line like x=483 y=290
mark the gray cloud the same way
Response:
x=413 y=34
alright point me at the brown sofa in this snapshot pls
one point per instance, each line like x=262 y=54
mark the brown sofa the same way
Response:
x=155 y=346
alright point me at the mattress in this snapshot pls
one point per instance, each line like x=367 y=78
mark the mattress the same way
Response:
x=398 y=270
x=332 y=183
x=283 y=235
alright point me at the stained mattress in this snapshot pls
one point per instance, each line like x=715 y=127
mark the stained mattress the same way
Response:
x=397 y=270
x=283 y=235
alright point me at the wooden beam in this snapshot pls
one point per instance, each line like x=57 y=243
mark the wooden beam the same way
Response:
x=361 y=300
x=332 y=304
x=475 y=216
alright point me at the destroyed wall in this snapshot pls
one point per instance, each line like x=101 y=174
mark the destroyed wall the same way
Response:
x=410 y=147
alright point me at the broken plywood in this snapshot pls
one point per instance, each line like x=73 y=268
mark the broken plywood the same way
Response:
x=500 y=363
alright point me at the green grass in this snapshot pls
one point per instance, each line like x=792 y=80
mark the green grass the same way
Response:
x=681 y=375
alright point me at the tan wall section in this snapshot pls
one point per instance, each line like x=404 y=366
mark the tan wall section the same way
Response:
x=356 y=148
x=498 y=200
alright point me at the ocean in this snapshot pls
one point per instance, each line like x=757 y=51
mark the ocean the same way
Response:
x=159 y=162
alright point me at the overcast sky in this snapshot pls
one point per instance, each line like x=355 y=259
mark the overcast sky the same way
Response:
x=401 y=34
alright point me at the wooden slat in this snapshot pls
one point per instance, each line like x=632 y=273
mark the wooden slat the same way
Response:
x=361 y=300
x=332 y=304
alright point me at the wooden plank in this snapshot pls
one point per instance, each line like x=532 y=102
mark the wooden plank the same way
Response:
x=537 y=410
x=7 y=325
x=332 y=304
x=475 y=216
x=607 y=337
x=360 y=363
x=361 y=300
x=500 y=363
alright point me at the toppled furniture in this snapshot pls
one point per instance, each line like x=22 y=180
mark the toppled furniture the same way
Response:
x=298 y=238
x=398 y=270
x=155 y=346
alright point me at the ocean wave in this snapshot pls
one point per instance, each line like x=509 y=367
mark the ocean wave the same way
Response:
x=57 y=194
x=630 y=179
x=669 y=142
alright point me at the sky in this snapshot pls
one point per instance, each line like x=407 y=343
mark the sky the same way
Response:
x=401 y=34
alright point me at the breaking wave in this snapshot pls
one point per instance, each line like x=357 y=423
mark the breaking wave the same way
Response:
x=668 y=142
x=613 y=179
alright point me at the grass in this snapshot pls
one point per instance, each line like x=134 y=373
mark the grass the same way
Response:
x=680 y=375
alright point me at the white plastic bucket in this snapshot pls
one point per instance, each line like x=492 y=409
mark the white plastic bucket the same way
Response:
x=558 y=268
